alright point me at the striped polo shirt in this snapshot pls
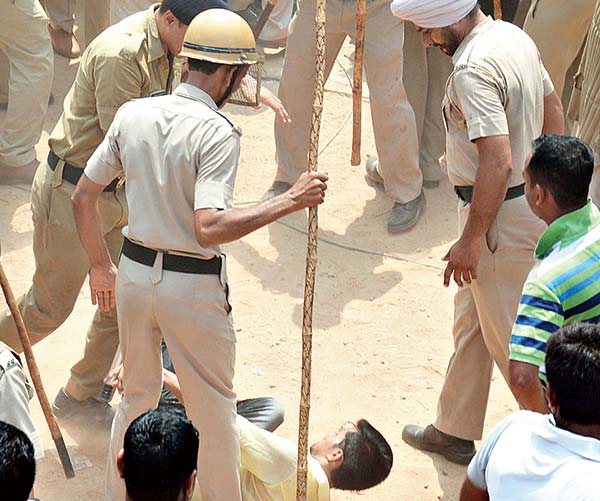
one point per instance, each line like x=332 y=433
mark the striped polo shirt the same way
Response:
x=562 y=288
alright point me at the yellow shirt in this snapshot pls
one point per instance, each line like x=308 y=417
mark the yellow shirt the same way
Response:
x=497 y=88
x=124 y=62
x=268 y=467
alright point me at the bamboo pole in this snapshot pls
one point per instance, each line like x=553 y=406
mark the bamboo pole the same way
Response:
x=34 y=372
x=497 y=9
x=311 y=255
x=359 y=45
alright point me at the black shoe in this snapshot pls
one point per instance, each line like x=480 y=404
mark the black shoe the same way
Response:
x=430 y=439
x=89 y=411
x=405 y=216
x=276 y=189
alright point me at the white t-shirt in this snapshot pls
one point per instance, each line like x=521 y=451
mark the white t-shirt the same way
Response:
x=526 y=456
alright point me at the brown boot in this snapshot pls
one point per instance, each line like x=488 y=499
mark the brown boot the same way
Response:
x=430 y=439
x=64 y=43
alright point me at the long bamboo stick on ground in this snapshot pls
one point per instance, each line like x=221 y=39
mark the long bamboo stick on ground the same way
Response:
x=311 y=255
x=34 y=372
x=359 y=45
x=497 y=9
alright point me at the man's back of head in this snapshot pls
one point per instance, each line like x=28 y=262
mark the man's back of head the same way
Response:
x=158 y=460
x=17 y=464
x=563 y=166
x=573 y=372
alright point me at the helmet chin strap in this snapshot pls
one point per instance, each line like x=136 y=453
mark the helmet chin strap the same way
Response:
x=229 y=90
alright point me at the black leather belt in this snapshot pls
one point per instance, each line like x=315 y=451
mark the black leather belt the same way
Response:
x=72 y=174
x=465 y=193
x=172 y=262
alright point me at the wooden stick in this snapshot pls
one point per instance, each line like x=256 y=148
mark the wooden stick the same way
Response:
x=34 y=372
x=497 y=9
x=262 y=20
x=359 y=45
x=311 y=255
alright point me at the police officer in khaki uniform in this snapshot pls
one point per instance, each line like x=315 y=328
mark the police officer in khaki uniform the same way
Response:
x=26 y=69
x=127 y=61
x=61 y=15
x=498 y=99
x=179 y=156
x=585 y=102
x=559 y=29
x=394 y=125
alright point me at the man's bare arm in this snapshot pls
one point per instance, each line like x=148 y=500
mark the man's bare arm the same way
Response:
x=491 y=183
x=554 y=118
x=103 y=272
x=471 y=493
x=214 y=227
x=525 y=384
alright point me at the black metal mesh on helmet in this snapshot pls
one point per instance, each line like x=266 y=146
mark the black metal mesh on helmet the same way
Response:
x=249 y=92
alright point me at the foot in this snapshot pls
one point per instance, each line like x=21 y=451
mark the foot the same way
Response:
x=276 y=189
x=405 y=216
x=22 y=174
x=372 y=171
x=430 y=439
x=64 y=43
x=91 y=410
x=4 y=104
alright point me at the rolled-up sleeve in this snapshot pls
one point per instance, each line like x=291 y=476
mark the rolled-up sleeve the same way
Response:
x=480 y=98
x=105 y=164
x=217 y=168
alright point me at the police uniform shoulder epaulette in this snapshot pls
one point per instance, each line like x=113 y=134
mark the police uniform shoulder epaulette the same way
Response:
x=132 y=46
x=234 y=127
x=7 y=360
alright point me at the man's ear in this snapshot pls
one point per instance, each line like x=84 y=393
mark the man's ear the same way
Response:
x=551 y=397
x=190 y=484
x=540 y=195
x=336 y=456
x=170 y=18
x=120 y=457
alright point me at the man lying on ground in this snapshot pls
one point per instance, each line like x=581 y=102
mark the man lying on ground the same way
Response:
x=265 y=412
x=548 y=457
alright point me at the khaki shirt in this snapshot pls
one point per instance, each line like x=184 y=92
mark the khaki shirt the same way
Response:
x=124 y=62
x=179 y=154
x=497 y=88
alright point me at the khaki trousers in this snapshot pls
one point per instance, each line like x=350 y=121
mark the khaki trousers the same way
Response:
x=425 y=74
x=559 y=28
x=120 y=9
x=191 y=313
x=394 y=123
x=96 y=16
x=61 y=268
x=26 y=70
x=484 y=314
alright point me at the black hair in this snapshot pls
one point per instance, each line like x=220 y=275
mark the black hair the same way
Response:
x=160 y=454
x=186 y=10
x=206 y=67
x=573 y=371
x=564 y=166
x=367 y=459
x=17 y=464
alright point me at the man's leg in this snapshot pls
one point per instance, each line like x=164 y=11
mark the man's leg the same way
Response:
x=265 y=412
x=192 y=313
x=139 y=338
x=60 y=26
x=97 y=18
x=297 y=86
x=394 y=124
x=512 y=238
x=25 y=42
x=559 y=28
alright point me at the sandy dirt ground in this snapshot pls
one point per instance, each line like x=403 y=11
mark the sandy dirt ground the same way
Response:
x=382 y=330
